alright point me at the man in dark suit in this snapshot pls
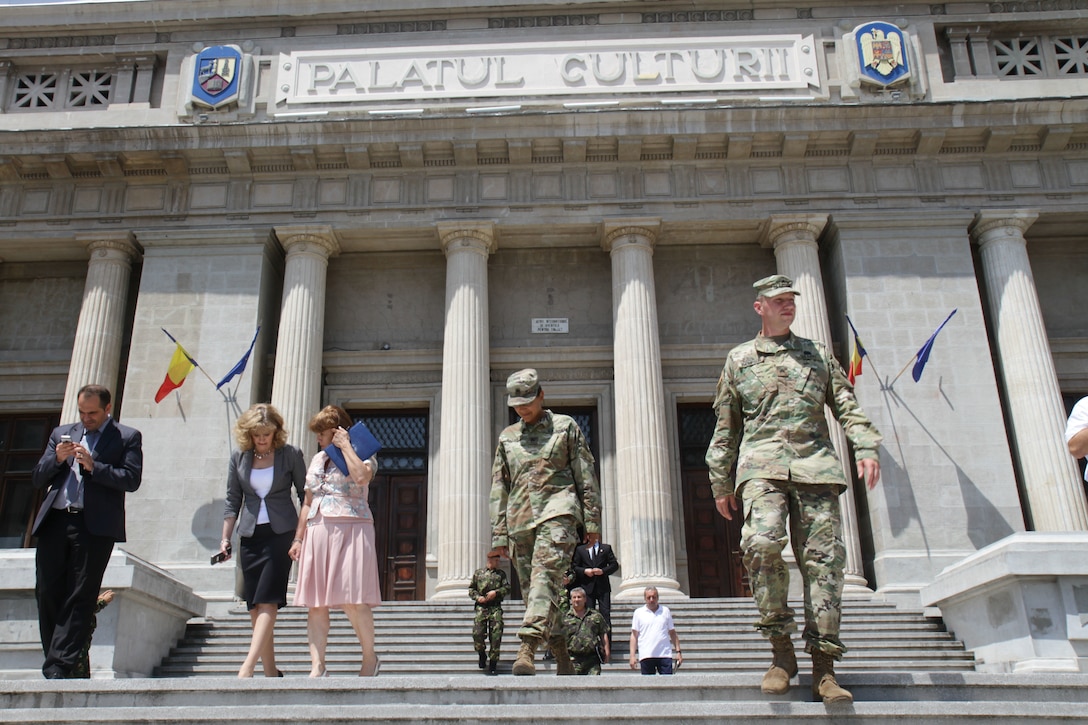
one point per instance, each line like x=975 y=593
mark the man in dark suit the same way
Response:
x=593 y=563
x=86 y=470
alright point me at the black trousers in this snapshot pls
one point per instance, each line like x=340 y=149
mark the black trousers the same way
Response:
x=70 y=563
x=602 y=603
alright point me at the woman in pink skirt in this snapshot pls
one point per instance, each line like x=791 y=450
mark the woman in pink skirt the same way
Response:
x=334 y=543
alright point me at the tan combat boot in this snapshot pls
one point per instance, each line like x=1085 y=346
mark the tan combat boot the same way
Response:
x=776 y=681
x=824 y=685
x=563 y=665
x=523 y=665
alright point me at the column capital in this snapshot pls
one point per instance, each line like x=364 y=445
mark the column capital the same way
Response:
x=786 y=228
x=319 y=238
x=1010 y=220
x=481 y=235
x=643 y=229
x=119 y=245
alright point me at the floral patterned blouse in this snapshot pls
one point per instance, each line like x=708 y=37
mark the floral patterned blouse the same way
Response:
x=336 y=495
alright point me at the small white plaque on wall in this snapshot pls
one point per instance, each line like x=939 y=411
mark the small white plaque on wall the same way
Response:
x=550 y=325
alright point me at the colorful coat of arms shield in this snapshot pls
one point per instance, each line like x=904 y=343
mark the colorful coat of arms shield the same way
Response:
x=217 y=74
x=882 y=56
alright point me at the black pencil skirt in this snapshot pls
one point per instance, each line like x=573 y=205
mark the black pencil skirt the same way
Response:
x=266 y=566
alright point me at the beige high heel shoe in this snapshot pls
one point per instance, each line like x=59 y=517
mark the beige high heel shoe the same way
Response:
x=377 y=668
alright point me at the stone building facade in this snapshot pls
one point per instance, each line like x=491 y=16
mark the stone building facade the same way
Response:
x=413 y=200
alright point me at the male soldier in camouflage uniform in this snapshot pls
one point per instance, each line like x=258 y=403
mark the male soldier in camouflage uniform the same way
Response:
x=772 y=450
x=543 y=487
x=587 y=631
x=487 y=589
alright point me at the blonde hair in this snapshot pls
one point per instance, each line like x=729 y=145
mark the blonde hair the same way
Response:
x=260 y=417
x=329 y=417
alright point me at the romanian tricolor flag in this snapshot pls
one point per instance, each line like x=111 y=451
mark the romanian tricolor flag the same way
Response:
x=856 y=356
x=181 y=364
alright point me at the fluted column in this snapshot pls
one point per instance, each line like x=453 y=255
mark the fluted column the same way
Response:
x=644 y=505
x=793 y=238
x=96 y=352
x=466 y=446
x=1036 y=416
x=296 y=385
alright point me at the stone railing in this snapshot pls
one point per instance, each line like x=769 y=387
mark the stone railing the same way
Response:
x=147 y=617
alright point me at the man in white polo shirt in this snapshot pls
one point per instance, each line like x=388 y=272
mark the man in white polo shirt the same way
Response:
x=653 y=637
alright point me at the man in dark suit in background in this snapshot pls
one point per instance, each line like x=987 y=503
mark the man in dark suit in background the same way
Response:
x=593 y=563
x=86 y=469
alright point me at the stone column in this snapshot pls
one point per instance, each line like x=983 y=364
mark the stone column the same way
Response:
x=96 y=352
x=466 y=445
x=645 y=504
x=296 y=382
x=793 y=238
x=1036 y=416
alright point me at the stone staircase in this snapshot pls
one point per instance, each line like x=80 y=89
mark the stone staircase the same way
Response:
x=435 y=638
x=902 y=668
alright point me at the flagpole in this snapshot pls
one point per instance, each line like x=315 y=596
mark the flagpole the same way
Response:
x=903 y=370
x=928 y=343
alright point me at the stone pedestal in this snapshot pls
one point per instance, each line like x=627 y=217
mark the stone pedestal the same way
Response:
x=466 y=445
x=1055 y=494
x=145 y=620
x=645 y=505
x=96 y=352
x=1020 y=604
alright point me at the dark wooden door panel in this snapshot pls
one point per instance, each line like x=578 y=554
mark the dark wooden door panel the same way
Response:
x=715 y=567
x=399 y=503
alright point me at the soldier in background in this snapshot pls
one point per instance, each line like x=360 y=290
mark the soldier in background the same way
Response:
x=487 y=589
x=543 y=488
x=587 y=635
x=772 y=450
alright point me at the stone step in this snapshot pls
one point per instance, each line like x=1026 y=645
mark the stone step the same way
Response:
x=930 y=698
x=429 y=638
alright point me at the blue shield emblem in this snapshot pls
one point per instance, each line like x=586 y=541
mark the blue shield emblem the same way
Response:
x=217 y=76
x=882 y=56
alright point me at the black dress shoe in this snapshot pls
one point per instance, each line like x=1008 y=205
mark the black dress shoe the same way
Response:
x=483 y=660
x=55 y=674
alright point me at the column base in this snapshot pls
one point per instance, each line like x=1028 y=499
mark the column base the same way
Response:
x=633 y=589
x=452 y=589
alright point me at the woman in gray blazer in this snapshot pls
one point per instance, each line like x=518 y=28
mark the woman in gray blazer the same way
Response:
x=260 y=477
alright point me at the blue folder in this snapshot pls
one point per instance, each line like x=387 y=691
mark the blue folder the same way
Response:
x=362 y=440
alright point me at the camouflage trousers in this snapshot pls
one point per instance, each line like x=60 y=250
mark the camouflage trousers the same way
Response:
x=541 y=556
x=815 y=531
x=487 y=628
x=586 y=663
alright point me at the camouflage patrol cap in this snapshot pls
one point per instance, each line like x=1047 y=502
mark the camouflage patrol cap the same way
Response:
x=522 y=387
x=776 y=284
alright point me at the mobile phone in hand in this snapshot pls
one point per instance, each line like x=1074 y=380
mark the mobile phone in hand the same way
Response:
x=221 y=556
